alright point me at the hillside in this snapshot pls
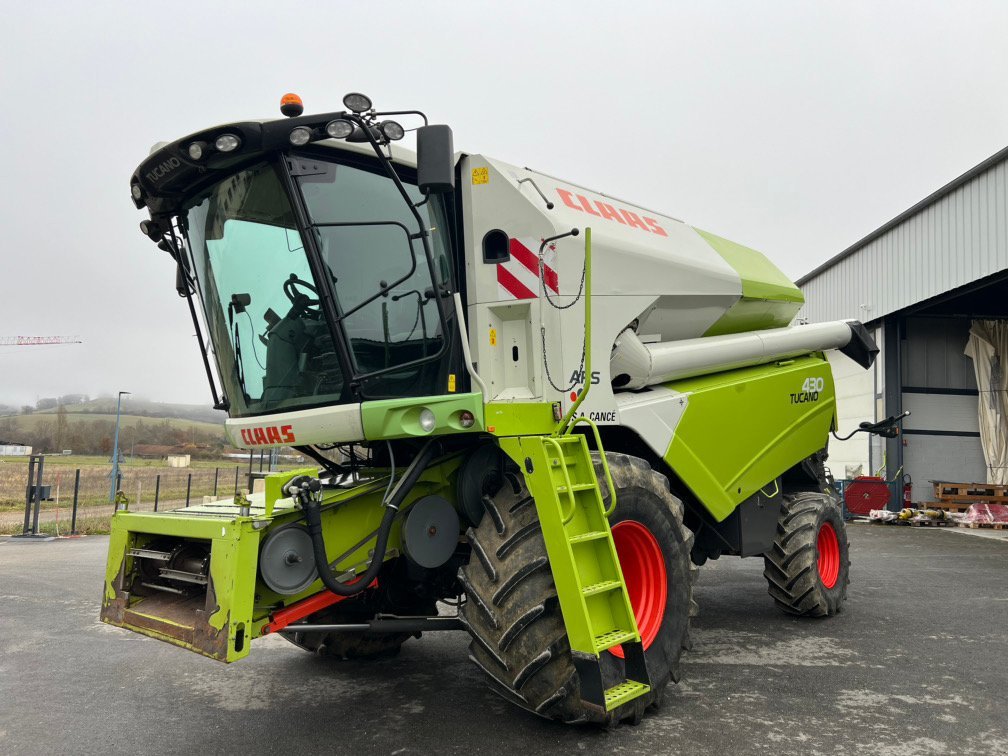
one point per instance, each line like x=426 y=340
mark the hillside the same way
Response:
x=89 y=427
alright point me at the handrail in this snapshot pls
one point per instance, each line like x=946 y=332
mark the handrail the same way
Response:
x=466 y=355
x=605 y=462
x=565 y=424
x=567 y=481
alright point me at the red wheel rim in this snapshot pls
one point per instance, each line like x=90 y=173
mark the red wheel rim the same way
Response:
x=643 y=566
x=829 y=555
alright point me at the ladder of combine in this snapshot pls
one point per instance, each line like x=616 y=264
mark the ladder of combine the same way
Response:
x=593 y=597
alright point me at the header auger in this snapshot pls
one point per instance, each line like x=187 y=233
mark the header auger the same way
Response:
x=522 y=398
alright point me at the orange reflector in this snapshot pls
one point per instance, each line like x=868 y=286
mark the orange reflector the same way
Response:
x=291 y=105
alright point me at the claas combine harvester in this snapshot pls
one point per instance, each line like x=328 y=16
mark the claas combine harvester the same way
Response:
x=530 y=410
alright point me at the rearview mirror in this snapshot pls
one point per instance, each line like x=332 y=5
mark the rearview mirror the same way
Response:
x=435 y=159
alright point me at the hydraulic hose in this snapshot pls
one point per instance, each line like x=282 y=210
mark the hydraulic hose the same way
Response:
x=311 y=506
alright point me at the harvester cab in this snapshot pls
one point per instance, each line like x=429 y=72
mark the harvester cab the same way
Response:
x=529 y=410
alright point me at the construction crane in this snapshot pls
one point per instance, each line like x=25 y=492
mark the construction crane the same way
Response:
x=38 y=340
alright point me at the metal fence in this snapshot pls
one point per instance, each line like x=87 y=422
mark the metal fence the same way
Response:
x=71 y=499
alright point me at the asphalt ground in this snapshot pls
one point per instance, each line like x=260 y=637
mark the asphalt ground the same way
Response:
x=917 y=663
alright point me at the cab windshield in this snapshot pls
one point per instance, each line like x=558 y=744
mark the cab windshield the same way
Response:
x=272 y=341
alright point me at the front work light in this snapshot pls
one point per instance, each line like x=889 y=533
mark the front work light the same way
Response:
x=392 y=130
x=427 y=420
x=227 y=143
x=136 y=191
x=339 y=129
x=196 y=150
x=357 y=102
x=300 y=136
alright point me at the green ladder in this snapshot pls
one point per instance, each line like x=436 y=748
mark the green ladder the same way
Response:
x=593 y=597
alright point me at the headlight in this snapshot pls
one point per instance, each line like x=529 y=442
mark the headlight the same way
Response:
x=466 y=419
x=392 y=130
x=300 y=136
x=427 y=420
x=196 y=150
x=136 y=191
x=357 y=102
x=339 y=129
x=227 y=143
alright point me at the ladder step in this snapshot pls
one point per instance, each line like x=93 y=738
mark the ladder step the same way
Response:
x=605 y=585
x=576 y=487
x=625 y=691
x=592 y=535
x=613 y=638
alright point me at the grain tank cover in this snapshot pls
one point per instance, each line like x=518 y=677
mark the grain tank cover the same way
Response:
x=675 y=281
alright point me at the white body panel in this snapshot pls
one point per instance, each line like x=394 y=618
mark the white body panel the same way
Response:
x=320 y=425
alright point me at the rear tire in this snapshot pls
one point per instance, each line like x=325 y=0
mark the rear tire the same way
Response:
x=808 y=567
x=513 y=613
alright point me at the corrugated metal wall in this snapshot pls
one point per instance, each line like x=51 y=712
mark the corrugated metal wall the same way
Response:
x=956 y=239
x=941 y=439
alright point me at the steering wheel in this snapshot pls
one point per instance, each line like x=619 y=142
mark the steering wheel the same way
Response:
x=298 y=298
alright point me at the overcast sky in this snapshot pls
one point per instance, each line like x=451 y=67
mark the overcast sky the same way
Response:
x=794 y=128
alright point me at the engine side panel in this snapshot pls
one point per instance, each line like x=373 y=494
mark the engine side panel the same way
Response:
x=733 y=433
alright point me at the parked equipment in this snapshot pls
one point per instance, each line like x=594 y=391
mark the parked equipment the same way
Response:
x=523 y=398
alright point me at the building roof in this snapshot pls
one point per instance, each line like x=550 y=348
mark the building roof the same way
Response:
x=950 y=187
x=952 y=238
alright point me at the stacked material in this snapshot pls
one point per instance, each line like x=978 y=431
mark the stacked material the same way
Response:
x=986 y=514
x=911 y=517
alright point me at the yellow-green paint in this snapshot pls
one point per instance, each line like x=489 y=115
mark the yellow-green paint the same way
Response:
x=275 y=482
x=570 y=507
x=743 y=428
x=769 y=298
x=386 y=419
x=244 y=602
x=519 y=418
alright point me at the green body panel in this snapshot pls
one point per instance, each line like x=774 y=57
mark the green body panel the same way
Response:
x=400 y=418
x=274 y=483
x=239 y=603
x=520 y=418
x=743 y=428
x=769 y=298
x=221 y=625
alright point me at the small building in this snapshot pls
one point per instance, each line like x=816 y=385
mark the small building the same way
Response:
x=923 y=283
x=14 y=450
x=178 y=460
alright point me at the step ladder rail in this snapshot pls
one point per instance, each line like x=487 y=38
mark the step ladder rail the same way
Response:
x=590 y=585
x=605 y=463
x=565 y=518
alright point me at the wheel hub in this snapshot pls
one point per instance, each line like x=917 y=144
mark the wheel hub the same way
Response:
x=643 y=566
x=828 y=546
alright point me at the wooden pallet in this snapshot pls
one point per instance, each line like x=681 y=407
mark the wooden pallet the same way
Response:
x=985 y=525
x=971 y=491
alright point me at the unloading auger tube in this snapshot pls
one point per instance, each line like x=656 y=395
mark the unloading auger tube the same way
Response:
x=634 y=364
x=306 y=489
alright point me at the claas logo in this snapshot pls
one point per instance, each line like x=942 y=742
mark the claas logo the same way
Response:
x=268 y=434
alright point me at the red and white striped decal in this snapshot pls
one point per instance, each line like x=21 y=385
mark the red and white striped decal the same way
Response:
x=518 y=278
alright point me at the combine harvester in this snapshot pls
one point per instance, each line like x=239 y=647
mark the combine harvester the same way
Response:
x=523 y=398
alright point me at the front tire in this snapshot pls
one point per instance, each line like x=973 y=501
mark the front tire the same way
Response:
x=513 y=613
x=808 y=567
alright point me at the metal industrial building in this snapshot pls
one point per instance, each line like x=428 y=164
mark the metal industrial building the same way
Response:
x=919 y=283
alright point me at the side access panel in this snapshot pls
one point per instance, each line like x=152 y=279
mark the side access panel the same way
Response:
x=735 y=432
